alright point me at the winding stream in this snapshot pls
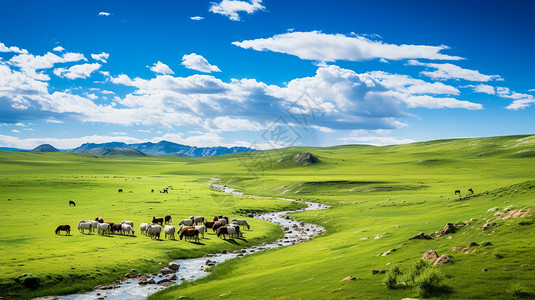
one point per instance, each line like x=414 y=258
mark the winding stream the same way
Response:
x=194 y=268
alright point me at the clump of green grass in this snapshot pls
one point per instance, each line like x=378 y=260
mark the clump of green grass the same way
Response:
x=518 y=290
x=421 y=275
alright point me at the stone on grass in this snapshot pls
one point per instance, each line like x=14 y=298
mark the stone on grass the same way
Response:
x=444 y=258
x=430 y=254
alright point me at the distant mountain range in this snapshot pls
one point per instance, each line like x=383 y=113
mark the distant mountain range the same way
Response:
x=161 y=148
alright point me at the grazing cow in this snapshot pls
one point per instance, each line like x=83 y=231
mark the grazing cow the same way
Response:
x=154 y=230
x=209 y=224
x=157 y=221
x=217 y=225
x=129 y=223
x=457 y=192
x=237 y=228
x=104 y=229
x=99 y=219
x=199 y=220
x=143 y=228
x=226 y=230
x=168 y=219
x=471 y=190
x=201 y=229
x=169 y=232
x=152 y=191
x=120 y=191
x=116 y=228
x=126 y=228
x=190 y=232
x=83 y=225
x=186 y=222
x=241 y=222
x=71 y=203
x=66 y=228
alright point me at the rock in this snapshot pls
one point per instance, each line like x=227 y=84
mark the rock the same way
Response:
x=171 y=276
x=336 y=290
x=151 y=281
x=465 y=250
x=349 y=278
x=250 y=215
x=388 y=252
x=430 y=254
x=455 y=248
x=224 y=252
x=472 y=244
x=487 y=225
x=174 y=266
x=449 y=228
x=421 y=236
x=377 y=271
x=166 y=271
x=444 y=258
x=485 y=270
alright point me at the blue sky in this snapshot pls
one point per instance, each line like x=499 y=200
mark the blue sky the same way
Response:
x=264 y=73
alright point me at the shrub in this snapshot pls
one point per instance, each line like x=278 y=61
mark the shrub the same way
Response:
x=391 y=278
x=416 y=269
x=428 y=283
x=518 y=290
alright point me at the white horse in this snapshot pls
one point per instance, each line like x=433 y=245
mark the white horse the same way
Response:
x=201 y=229
x=154 y=230
x=126 y=228
x=94 y=224
x=169 y=231
x=187 y=222
x=198 y=220
x=241 y=222
x=103 y=229
x=129 y=223
x=143 y=228
x=83 y=224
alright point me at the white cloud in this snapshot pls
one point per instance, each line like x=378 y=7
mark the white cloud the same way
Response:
x=315 y=45
x=4 y=48
x=103 y=13
x=451 y=71
x=484 y=88
x=521 y=100
x=29 y=64
x=197 y=62
x=409 y=85
x=231 y=8
x=161 y=68
x=15 y=130
x=531 y=90
x=77 y=71
x=58 y=49
x=374 y=137
x=101 y=57
x=197 y=18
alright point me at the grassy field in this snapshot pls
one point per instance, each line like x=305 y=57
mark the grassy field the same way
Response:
x=380 y=196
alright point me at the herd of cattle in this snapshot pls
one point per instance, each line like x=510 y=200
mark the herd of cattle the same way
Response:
x=189 y=228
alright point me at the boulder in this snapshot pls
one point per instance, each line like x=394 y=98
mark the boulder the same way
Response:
x=174 y=266
x=472 y=244
x=455 y=248
x=487 y=225
x=388 y=252
x=421 y=236
x=444 y=258
x=349 y=278
x=166 y=271
x=171 y=276
x=449 y=228
x=430 y=254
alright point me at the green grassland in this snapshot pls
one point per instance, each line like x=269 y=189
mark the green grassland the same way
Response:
x=380 y=196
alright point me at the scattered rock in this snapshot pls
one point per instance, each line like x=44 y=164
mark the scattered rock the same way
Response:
x=174 y=266
x=377 y=271
x=388 y=252
x=472 y=244
x=224 y=252
x=444 y=258
x=421 y=236
x=430 y=254
x=455 y=248
x=171 y=276
x=349 y=278
x=485 y=270
x=336 y=290
x=487 y=225
x=166 y=271
x=465 y=250
x=449 y=228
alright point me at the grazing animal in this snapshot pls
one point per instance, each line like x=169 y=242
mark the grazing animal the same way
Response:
x=71 y=203
x=154 y=230
x=129 y=223
x=169 y=232
x=94 y=225
x=209 y=224
x=190 y=232
x=116 y=228
x=152 y=191
x=241 y=222
x=120 y=190
x=99 y=219
x=126 y=228
x=457 y=192
x=104 y=229
x=471 y=190
x=168 y=219
x=66 y=228
x=217 y=225
x=157 y=221
x=186 y=222
x=237 y=228
x=201 y=229
x=226 y=230
x=83 y=225
x=216 y=218
x=143 y=228
x=199 y=220
x=165 y=191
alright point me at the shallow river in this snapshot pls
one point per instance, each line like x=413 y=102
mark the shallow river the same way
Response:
x=193 y=268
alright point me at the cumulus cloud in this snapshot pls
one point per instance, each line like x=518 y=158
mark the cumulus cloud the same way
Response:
x=231 y=8
x=197 y=18
x=161 y=68
x=451 y=71
x=58 y=49
x=484 y=88
x=101 y=57
x=374 y=137
x=521 y=100
x=4 y=48
x=77 y=71
x=103 y=13
x=316 y=45
x=197 y=62
x=29 y=64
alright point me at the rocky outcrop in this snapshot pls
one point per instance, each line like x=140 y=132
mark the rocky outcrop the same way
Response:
x=444 y=258
x=430 y=255
x=421 y=236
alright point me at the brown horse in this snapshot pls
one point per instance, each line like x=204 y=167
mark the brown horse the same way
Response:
x=209 y=224
x=157 y=221
x=167 y=219
x=217 y=225
x=99 y=219
x=71 y=203
x=190 y=232
x=66 y=228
